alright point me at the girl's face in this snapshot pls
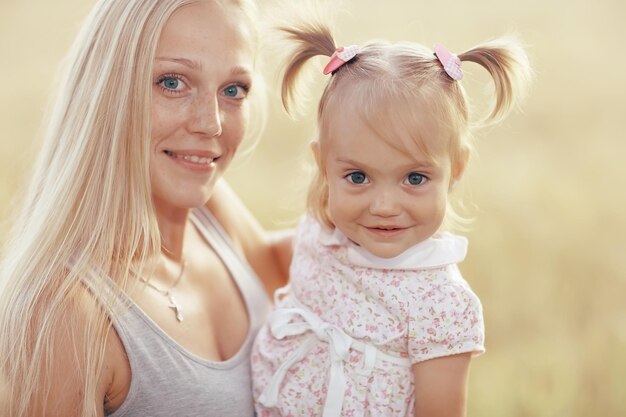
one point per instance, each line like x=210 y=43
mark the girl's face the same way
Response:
x=381 y=198
x=202 y=74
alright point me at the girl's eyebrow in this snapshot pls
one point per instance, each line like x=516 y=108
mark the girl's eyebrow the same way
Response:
x=417 y=165
x=238 y=70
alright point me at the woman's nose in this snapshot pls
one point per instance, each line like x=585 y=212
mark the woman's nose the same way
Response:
x=207 y=117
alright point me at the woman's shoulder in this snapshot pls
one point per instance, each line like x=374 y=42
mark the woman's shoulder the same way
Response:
x=72 y=333
x=269 y=254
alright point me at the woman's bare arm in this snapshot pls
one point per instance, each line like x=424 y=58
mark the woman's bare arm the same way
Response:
x=269 y=253
x=63 y=374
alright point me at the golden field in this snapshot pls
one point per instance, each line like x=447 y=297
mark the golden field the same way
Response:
x=547 y=187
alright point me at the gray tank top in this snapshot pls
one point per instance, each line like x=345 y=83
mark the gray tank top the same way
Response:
x=167 y=380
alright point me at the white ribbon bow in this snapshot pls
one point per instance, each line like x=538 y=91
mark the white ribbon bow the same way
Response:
x=339 y=348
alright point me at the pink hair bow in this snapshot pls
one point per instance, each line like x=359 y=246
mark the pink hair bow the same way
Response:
x=340 y=57
x=451 y=63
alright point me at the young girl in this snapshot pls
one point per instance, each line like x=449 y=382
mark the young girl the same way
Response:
x=378 y=319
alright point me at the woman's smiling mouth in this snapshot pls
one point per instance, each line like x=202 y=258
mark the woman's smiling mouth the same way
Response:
x=192 y=157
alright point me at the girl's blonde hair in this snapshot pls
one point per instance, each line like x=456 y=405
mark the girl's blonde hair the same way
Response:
x=401 y=91
x=89 y=204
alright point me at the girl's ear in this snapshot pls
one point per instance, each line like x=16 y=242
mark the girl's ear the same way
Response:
x=459 y=166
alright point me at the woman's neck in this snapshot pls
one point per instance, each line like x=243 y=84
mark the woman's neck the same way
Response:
x=172 y=224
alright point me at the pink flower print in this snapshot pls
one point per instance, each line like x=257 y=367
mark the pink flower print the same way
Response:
x=428 y=295
x=371 y=328
x=431 y=331
x=332 y=292
x=395 y=283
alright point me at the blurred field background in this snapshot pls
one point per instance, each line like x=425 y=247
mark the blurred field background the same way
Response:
x=547 y=248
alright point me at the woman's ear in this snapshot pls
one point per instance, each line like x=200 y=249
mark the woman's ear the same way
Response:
x=315 y=148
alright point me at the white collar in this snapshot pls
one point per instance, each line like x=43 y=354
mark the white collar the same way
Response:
x=443 y=248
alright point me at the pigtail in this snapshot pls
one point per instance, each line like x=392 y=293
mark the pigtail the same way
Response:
x=507 y=63
x=311 y=39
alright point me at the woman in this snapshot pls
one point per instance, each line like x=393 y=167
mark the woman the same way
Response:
x=124 y=290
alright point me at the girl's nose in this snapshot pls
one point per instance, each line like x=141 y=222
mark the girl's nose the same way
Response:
x=384 y=203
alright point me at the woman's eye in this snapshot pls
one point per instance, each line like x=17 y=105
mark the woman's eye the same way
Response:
x=357 y=177
x=236 y=91
x=415 y=179
x=171 y=83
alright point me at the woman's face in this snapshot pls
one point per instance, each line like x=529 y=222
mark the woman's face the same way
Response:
x=202 y=74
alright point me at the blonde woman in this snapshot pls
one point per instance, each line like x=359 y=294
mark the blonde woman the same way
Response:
x=133 y=281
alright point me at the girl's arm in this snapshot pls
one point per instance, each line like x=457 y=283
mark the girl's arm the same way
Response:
x=441 y=386
x=269 y=253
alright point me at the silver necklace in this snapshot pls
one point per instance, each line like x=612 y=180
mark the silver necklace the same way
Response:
x=168 y=293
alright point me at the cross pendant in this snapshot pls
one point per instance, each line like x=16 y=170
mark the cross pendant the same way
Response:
x=174 y=306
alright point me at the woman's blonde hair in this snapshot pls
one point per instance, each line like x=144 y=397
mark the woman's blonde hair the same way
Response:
x=89 y=203
x=401 y=92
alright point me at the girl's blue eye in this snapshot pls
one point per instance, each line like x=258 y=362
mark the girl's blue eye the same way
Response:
x=236 y=91
x=357 y=177
x=171 y=83
x=415 y=179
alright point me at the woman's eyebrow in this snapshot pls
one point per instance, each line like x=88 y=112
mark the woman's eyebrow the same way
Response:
x=183 y=61
x=196 y=65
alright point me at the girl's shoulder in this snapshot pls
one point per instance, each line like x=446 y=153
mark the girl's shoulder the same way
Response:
x=445 y=316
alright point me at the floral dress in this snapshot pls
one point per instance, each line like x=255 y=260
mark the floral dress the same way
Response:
x=343 y=338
